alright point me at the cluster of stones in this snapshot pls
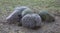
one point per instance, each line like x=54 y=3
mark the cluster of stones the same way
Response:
x=27 y=18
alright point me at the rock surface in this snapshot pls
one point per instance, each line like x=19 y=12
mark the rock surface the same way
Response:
x=31 y=21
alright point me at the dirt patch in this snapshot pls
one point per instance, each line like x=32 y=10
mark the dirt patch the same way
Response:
x=53 y=27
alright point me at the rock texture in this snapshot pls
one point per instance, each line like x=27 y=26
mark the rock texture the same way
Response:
x=31 y=21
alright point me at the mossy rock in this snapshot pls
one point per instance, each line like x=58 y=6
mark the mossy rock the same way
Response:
x=27 y=11
x=46 y=16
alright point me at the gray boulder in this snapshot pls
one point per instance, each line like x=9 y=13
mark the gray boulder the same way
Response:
x=31 y=21
x=15 y=16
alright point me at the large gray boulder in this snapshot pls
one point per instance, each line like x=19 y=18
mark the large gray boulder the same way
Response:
x=31 y=21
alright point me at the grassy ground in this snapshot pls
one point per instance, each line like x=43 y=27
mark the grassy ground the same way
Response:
x=9 y=5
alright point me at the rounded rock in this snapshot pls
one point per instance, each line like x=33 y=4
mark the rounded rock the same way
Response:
x=16 y=16
x=46 y=16
x=27 y=11
x=31 y=21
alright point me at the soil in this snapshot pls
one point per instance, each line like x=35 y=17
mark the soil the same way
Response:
x=53 y=27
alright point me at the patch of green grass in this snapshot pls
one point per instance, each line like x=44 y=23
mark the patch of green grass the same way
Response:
x=9 y=5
